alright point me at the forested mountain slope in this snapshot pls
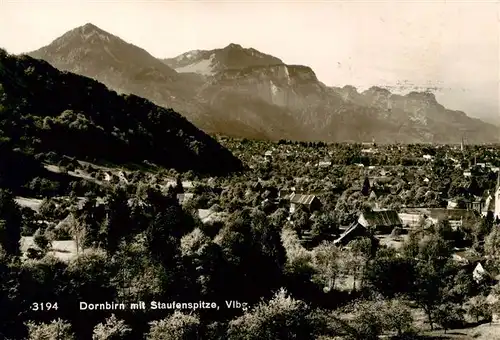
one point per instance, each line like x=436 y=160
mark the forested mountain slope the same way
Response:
x=43 y=109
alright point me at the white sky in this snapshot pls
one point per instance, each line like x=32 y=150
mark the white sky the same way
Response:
x=451 y=45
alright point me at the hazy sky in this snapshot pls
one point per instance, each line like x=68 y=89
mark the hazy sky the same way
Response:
x=447 y=44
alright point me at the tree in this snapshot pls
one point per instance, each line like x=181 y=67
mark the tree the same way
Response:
x=360 y=254
x=398 y=317
x=449 y=315
x=111 y=329
x=444 y=230
x=178 y=326
x=279 y=217
x=117 y=224
x=299 y=259
x=366 y=187
x=179 y=189
x=10 y=224
x=390 y=274
x=281 y=318
x=139 y=277
x=300 y=220
x=492 y=244
x=478 y=308
x=166 y=226
x=368 y=318
x=323 y=226
x=325 y=259
x=435 y=250
x=41 y=240
x=56 y=330
x=432 y=265
x=484 y=227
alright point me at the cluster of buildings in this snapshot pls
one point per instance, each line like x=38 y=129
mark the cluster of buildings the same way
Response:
x=383 y=221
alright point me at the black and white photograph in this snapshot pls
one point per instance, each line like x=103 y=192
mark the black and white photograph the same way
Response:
x=249 y=170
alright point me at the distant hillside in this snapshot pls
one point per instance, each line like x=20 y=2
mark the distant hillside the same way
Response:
x=43 y=109
x=243 y=92
x=420 y=117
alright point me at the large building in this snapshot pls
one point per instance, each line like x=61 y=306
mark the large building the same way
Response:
x=370 y=223
x=309 y=202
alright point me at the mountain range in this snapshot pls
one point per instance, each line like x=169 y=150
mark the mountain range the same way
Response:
x=243 y=92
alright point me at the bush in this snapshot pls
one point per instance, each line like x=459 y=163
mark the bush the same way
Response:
x=57 y=329
x=178 y=326
x=40 y=240
x=112 y=329
x=33 y=253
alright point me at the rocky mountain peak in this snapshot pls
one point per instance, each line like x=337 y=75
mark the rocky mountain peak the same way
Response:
x=427 y=96
x=233 y=46
x=88 y=33
x=378 y=90
x=88 y=27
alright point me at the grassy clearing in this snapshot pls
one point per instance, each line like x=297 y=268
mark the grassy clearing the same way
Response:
x=28 y=202
x=63 y=250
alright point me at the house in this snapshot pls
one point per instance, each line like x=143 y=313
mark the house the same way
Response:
x=187 y=185
x=379 y=180
x=480 y=274
x=270 y=193
x=454 y=216
x=83 y=200
x=468 y=257
x=477 y=204
x=427 y=157
x=324 y=164
x=409 y=177
x=414 y=219
x=373 y=195
x=467 y=173
x=183 y=198
x=169 y=183
x=380 y=221
x=123 y=176
x=68 y=223
x=209 y=216
x=489 y=205
x=284 y=194
x=107 y=176
x=452 y=204
x=268 y=154
x=354 y=231
x=258 y=186
x=309 y=202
